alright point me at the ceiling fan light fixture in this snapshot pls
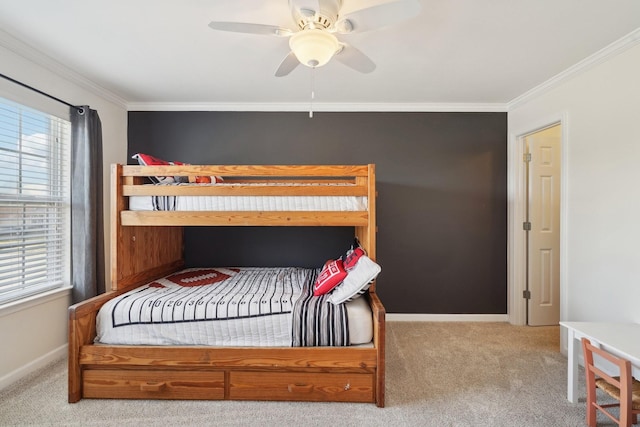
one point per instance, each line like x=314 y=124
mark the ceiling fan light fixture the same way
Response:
x=314 y=47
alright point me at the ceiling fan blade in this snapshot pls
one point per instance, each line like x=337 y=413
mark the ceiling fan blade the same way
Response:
x=329 y=7
x=288 y=64
x=243 y=27
x=374 y=17
x=354 y=58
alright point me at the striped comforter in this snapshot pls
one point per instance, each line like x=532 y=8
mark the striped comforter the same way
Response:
x=225 y=307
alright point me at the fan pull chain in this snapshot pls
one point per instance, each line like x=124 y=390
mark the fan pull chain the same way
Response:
x=313 y=95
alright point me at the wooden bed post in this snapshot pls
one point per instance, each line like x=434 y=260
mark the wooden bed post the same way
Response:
x=367 y=234
x=379 y=334
x=372 y=227
x=117 y=205
x=82 y=331
x=379 y=310
x=139 y=253
x=75 y=373
x=367 y=237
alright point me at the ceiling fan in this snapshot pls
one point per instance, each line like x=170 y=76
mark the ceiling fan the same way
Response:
x=314 y=42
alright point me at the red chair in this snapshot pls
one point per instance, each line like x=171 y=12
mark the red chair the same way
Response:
x=624 y=388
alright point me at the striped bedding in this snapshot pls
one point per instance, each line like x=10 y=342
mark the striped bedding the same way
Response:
x=225 y=307
x=247 y=203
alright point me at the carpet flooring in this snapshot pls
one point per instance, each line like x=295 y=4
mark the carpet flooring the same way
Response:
x=438 y=374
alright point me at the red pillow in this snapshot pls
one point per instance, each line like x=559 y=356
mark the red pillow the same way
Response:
x=147 y=160
x=332 y=274
x=350 y=259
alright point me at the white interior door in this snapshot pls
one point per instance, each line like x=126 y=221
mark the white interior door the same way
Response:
x=543 y=277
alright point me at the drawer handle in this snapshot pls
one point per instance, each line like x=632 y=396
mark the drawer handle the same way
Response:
x=300 y=388
x=152 y=386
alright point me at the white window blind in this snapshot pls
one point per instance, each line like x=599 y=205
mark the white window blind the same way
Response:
x=34 y=201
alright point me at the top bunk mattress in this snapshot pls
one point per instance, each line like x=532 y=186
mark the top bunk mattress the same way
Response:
x=247 y=203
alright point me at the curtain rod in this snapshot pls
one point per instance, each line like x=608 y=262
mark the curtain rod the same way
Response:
x=80 y=109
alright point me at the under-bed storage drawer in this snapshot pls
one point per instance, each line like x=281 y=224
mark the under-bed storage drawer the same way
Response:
x=301 y=386
x=149 y=384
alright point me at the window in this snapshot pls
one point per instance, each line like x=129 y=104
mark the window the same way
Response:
x=34 y=202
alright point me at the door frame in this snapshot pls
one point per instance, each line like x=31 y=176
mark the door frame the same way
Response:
x=516 y=215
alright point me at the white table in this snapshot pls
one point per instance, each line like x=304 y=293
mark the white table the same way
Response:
x=621 y=339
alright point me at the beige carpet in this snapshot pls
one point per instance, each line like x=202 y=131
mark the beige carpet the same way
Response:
x=438 y=374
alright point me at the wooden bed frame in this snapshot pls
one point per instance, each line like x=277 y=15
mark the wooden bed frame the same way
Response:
x=146 y=245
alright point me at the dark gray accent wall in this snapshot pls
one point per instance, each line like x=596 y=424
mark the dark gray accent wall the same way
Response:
x=442 y=204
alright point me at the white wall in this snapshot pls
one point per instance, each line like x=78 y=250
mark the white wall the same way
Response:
x=36 y=332
x=602 y=236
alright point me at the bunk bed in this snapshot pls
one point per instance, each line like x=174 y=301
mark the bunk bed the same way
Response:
x=148 y=244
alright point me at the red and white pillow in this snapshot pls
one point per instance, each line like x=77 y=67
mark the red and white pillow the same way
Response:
x=350 y=259
x=148 y=160
x=332 y=274
x=347 y=277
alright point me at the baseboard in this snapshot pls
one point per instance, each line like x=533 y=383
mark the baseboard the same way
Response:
x=33 y=366
x=404 y=317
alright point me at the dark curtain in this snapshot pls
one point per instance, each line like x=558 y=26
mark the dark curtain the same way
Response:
x=87 y=218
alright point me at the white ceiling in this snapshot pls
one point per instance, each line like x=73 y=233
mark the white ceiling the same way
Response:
x=454 y=52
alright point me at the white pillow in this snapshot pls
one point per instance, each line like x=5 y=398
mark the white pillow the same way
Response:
x=357 y=281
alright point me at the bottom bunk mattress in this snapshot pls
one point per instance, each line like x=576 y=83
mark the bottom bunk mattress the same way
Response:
x=247 y=306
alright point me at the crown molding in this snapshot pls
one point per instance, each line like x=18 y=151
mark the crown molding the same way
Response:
x=317 y=107
x=599 y=57
x=30 y=53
